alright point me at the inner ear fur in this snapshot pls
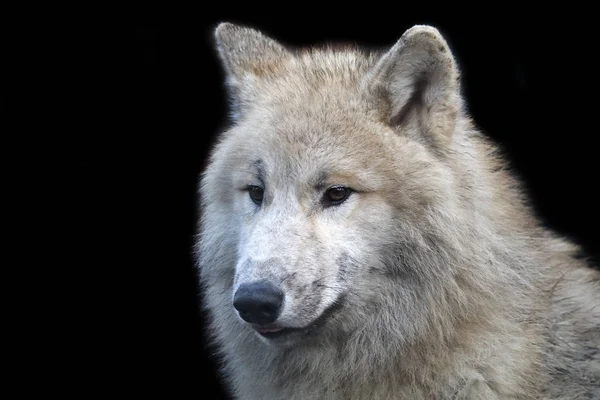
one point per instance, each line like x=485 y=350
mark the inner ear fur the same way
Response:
x=417 y=85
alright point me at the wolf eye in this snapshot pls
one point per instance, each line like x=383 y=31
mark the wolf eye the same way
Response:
x=336 y=195
x=256 y=193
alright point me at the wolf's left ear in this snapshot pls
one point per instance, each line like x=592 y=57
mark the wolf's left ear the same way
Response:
x=416 y=86
x=247 y=55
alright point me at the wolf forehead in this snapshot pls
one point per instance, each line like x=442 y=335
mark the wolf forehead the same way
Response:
x=309 y=116
x=318 y=148
x=311 y=97
x=310 y=77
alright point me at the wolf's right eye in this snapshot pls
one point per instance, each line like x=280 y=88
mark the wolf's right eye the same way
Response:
x=256 y=194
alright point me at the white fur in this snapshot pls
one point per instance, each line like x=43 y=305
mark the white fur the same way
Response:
x=451 y=288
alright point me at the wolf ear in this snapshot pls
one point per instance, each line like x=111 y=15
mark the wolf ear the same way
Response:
x=246 y=55
x=416 y=86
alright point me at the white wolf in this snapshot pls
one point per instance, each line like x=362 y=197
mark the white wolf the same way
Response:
x=360 y=239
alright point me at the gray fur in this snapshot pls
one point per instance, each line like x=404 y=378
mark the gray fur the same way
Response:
x=433 y=280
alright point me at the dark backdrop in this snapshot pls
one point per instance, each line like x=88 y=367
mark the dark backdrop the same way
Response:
x=154 y=96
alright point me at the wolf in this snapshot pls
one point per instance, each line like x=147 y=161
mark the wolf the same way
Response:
x=360 y=237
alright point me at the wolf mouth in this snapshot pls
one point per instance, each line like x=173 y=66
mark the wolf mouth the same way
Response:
x=274 y=331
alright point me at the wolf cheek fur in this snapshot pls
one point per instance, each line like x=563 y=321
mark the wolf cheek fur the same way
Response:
x=430 y=279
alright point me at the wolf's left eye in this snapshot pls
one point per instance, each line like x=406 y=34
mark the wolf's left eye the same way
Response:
x=256 y=194
x=336 y=195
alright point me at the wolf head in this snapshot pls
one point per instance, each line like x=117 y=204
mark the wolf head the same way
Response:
x=329 y=190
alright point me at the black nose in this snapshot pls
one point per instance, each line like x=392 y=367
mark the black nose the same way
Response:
x=258 y=303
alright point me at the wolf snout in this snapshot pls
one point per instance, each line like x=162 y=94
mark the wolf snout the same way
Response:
x=258 y=302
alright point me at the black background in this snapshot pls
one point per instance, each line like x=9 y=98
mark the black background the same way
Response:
x=150 y=92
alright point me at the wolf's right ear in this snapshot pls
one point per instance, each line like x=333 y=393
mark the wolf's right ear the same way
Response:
x=247 y=55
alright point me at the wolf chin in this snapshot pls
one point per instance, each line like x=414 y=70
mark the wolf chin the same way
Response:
x=359 y=237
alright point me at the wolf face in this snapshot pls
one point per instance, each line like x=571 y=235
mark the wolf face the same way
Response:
x=306 y=203
x=311 y=212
